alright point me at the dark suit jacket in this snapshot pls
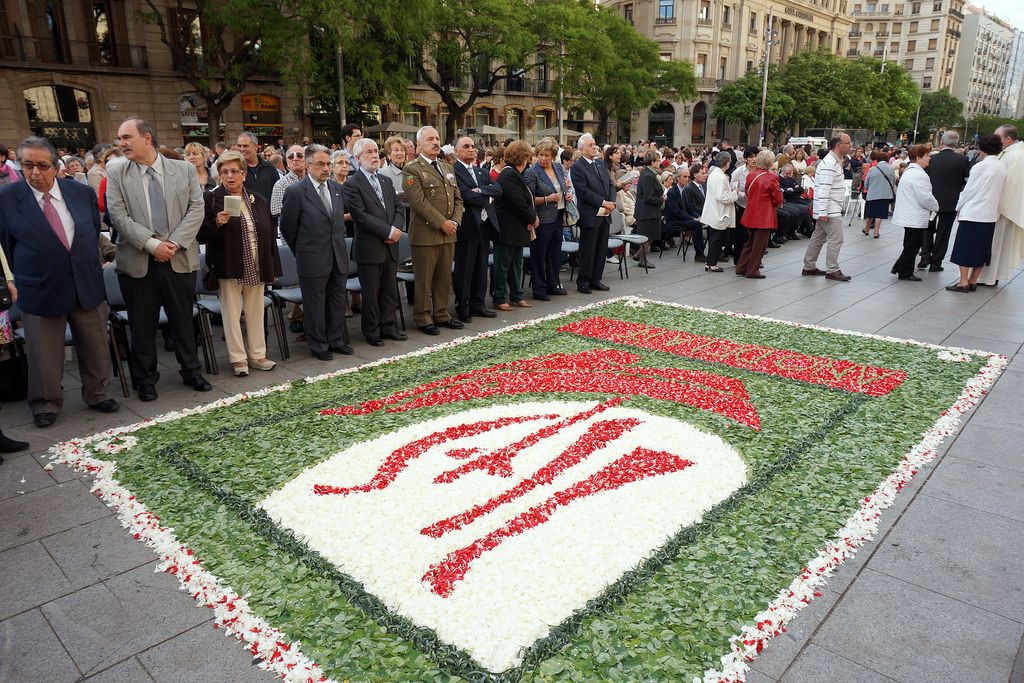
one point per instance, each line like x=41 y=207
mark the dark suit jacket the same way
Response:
x=516 y=211
x=649 y=196
x=225 y=248
x=471 y=229
x=373 y=220
x=51 y=280
x=675 y=208
x=694 y=200
x=593 y=185
x=948 y=172
x=316 y=237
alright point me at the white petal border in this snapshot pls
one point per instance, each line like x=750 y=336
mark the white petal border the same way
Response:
x=276 y=654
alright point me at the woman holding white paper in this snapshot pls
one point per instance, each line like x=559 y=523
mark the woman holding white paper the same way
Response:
x=242 y=250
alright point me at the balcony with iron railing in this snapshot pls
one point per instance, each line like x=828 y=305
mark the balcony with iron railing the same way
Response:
x=664 y=20
x=24 y=51
x=852 y=52
x=855 y=34
x=955 y=13
x=704 y=83
x=704 y=21
x=882 y=34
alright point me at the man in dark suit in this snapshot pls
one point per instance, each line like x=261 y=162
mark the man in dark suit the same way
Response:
x=594 y=191
x=680 y=215
x=313 y=225
x=370 y=199
x=50 y=230
x=948 y=172
x=156 y=205
x=479 y=227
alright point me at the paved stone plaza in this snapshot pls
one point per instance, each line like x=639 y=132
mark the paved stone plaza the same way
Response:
x=938 y=596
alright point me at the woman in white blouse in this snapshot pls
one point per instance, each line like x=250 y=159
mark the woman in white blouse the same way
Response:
x=719 y=210
x=914 y=204
x=979 y=211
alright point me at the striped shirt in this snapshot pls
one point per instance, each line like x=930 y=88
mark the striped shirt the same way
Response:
x=277 y=196
x=829 y=187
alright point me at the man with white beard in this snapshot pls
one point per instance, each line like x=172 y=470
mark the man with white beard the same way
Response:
x=1008 y=241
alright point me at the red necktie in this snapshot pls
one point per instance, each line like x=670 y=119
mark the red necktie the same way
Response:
x=54 y=220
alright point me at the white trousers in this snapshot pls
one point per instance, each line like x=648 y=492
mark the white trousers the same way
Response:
x=234 y=299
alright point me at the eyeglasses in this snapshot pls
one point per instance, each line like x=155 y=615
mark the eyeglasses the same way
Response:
x=28 y=166
x=298 y=155
x=319 y=164
x=230 y=171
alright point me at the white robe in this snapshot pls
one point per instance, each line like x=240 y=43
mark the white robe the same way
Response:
x=1008 y=241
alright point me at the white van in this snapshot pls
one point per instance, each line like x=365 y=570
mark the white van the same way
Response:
x=817 y=143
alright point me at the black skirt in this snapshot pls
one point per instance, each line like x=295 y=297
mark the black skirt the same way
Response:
x=877 y=208
x=973 y=245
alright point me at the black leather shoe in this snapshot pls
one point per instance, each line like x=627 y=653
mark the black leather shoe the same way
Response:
x=375 y=342
x=541 y=297
x=923 y=264
x=108 y=406
x=451 y=324
x=484 y=313
x=583 y=289
x=429 y=329
x=147 y=392
x=912 y=278
x=935 y=269
x=295 y=326
x=396 y=336
x=558 y=292
x=323 y=355
x=599 y=286
x=198 y=382
x=464 y=317
x=9 y=445
x=45 y=419
x=344 y=349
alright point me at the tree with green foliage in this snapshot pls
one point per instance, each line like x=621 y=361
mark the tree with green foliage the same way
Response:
x=740 y=102
x=612 y=69
x=939 y=111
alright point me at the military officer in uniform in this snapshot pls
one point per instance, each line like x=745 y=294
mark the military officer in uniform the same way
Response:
x=436 y=211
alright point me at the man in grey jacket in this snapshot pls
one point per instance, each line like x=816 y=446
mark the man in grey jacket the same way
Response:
x=156 y=206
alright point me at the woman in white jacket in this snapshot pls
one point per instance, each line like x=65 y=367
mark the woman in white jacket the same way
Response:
x=979 y=211
x=914 y=203
x=719 y=210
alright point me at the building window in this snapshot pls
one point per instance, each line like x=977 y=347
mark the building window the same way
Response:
x=870 y=28
x=913 y=27
x=885 y=9
x=935 y=24
x=894 y=47
x=704 y=14
x=937 y=7
x=897 y=28
x=722 y=65
x=933 y=43
x=666 y=56
x=103 y=31
x=908 y=64
x=482 y=118
x=915 y=8
x=750 y=65
x=911 y=45
x=627 y=13
x=753 y=22
x=702 y=63
x=727 y=15
x=926 y=82
x=929 y=63
x=666 y=9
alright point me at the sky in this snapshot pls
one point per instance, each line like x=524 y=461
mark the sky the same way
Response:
x=1010 y=10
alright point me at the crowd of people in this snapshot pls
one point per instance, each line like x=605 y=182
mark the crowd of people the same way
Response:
x=466 y=210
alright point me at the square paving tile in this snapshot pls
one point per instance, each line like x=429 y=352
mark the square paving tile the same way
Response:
x=818 y=664
x=978 y=485
x=20 y=474
x=928 y=547
x=31 y=652
x=781 y=650
x=203 y=655
x=28 y=578
x=990 y=445
x=111 y=621
x=128 y=671
x=47 y=511
x=96 y=551
x=913 y=634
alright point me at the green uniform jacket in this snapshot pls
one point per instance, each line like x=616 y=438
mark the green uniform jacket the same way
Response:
x=433 y=201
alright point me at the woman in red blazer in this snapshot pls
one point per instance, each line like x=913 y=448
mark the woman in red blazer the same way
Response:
x=763 y=197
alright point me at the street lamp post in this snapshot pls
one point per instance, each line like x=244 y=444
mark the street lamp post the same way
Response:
x=764 y=82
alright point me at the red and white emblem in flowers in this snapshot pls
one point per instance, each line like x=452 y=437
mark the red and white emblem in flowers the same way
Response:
x=490 y=525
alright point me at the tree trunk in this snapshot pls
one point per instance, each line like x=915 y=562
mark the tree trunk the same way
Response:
x=602 y=125
x=214 y=110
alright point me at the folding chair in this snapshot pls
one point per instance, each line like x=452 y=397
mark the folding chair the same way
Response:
x=285 y=290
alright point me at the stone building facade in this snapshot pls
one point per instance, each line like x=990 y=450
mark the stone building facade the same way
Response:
x=921 y=35
x=724 y=40
x=73 y=70
x=981 y=67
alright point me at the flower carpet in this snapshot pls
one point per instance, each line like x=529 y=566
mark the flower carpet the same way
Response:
x=626 y=491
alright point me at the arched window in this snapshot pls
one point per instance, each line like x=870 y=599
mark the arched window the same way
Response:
x=661 y=124
x=698 y=129
x=61 y=114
